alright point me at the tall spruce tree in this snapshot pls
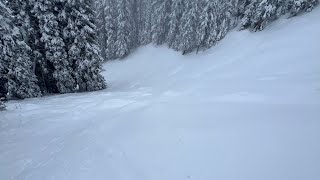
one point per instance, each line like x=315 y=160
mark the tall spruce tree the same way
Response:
x=296 y=7
x=106 y=27
x=110 y=29
x=159 y=19
x=6 y=46
x=26 y=13
x=134 y=21
x=188 y=26
x=81 y=41
x=58 y=67
x=123 y=41
x=145 y=20
x=226 y=17
x=174 y=24
x=100 y=7
x=22 y=82
x=264 y=12
x=17 y=68
x=210 y=15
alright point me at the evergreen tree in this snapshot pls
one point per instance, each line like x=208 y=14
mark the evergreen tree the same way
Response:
x=100 y=7
x=26 y=18
x=174 y=24
x=259 y=13
x=17 y=68
x=242 y=6
x=248 y=14
x=188 y=26
x=264 y=13
x=233 y=9
x=58 y=67
x=225 y=18
x=123 y=42
x=22 y=82
x=297 y=6
x=6 y=43
x=83 y=50
x=145 y=20
x=134 y=22
x=110 y=30
x=6 y=46
x=202 y=26
x=210 y=26
x=159 y=19
x=106 y=27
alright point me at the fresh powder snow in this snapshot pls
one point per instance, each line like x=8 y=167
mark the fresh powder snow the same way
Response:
x=247 y=109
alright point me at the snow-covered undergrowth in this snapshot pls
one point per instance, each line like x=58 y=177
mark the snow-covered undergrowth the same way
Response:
x=248 y=109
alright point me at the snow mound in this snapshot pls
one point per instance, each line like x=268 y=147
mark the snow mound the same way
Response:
x=247 y=109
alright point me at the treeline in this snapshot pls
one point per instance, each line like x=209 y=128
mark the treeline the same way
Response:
x=57 y=46
x=184 y=25
x=48 y=46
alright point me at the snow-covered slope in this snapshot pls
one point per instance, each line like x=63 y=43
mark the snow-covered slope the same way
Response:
x=248 y=109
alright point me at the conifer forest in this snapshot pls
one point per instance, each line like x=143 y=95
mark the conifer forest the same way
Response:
x=57 y=46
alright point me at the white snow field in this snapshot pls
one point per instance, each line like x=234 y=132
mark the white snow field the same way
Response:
x=247 y=109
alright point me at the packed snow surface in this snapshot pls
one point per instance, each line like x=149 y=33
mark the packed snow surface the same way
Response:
x=247 y=109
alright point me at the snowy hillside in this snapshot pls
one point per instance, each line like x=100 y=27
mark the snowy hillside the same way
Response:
x=247 y=109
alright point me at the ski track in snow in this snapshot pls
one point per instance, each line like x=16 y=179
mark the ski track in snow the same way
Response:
x=246 y=109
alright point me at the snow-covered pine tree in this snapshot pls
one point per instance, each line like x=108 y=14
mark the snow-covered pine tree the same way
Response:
x=249 y=10
x=264 y=13
x=233 y=8
x=189 y=21
x=16 y=67
x=232 y=12
x=145 y=20
x=202 y=26
x=296 y=7
x=225 y=17
x=110 y=29
x=242 y=6
x=106 y=28
x=81 y=41
x=139 y=20
x=259 y=13
x=57 y=65
x=134 y=21
x=6 y=46
x=100 y=6
x=28 y=23
x=159 y=19
x=208 y=28
x=174 y=24
x=123 y=41
x=22 y=81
